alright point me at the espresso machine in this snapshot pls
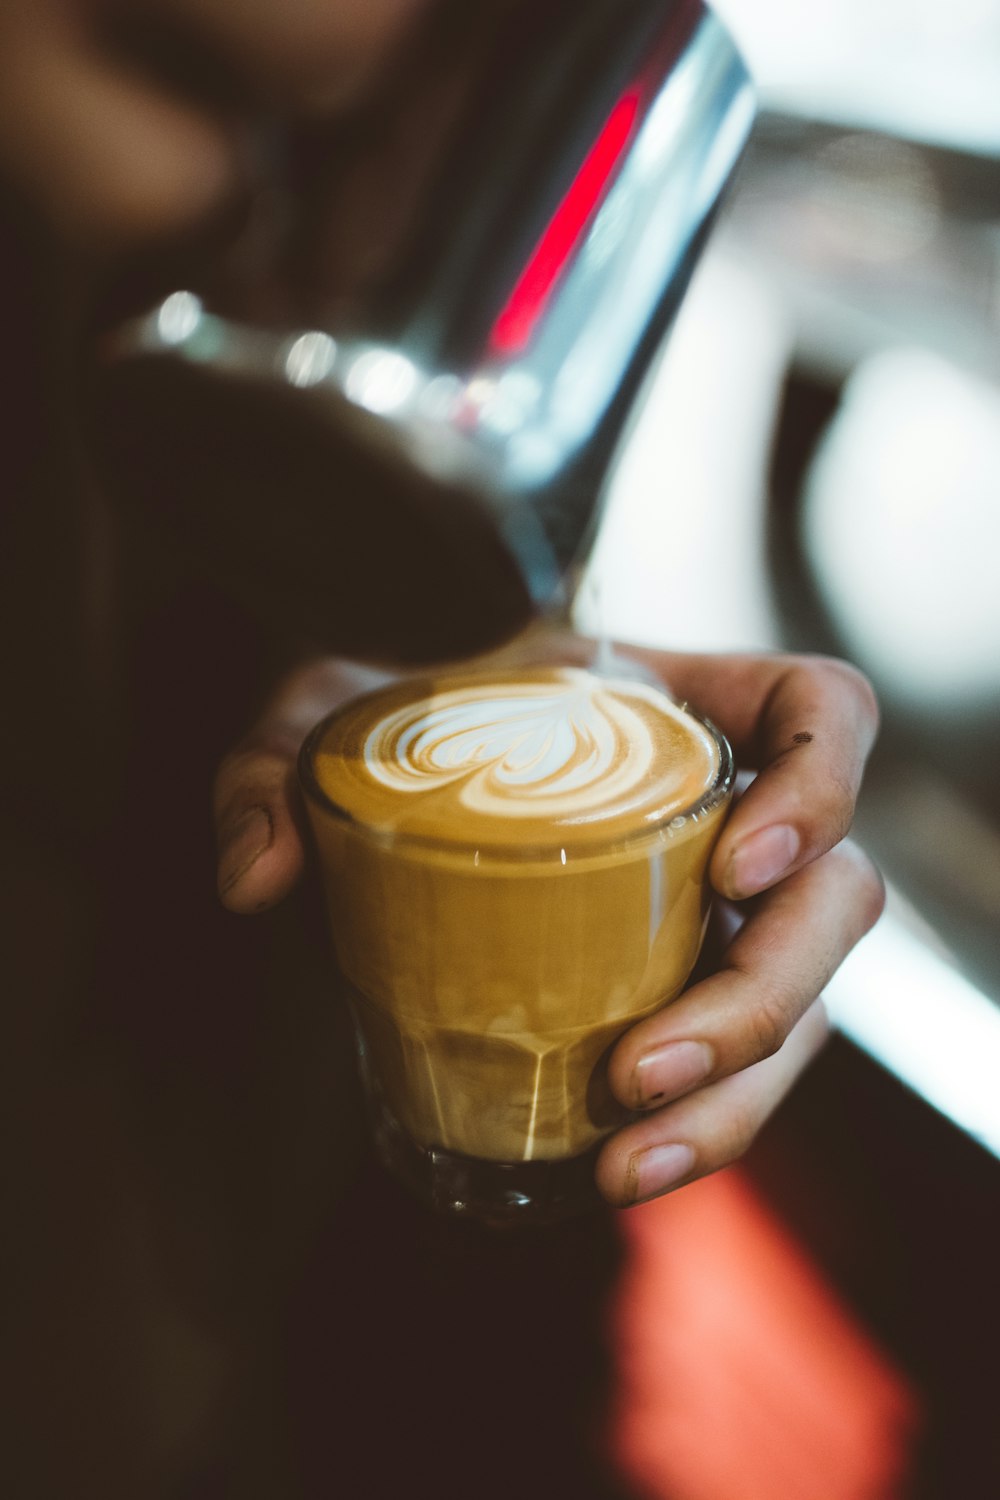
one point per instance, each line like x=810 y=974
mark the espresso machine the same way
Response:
x=382 y=413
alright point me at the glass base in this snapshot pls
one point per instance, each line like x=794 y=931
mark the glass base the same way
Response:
x=499 y=1194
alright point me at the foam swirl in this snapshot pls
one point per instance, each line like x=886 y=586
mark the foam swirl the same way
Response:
x=523 y=749
x=542 y=756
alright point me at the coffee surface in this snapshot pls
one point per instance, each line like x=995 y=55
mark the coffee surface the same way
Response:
x=553 y=756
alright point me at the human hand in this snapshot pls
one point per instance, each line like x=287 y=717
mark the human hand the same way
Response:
x=707 y=1071
x=125 y=120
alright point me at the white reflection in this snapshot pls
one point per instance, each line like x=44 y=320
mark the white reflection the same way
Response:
x=440 y=398
x=178 y=317
x=479 y=391
x=669 y=116
x=902 y=526
x=532 y=457
x=612 y=224
x=678 y=560
x=310 y=359
x=871 y=199
x=907 y=1006
x=381 y=381
x=510 y=402
x=912 y=67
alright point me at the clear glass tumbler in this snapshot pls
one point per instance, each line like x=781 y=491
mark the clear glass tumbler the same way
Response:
x=490 y=960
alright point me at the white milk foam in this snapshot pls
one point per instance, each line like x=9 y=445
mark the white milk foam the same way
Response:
x=571 y=749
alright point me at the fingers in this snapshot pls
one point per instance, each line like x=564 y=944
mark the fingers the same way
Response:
x=816 y=730
x=260 y=830
x=727 y=1025
x=807 y=725
x=709 y=1129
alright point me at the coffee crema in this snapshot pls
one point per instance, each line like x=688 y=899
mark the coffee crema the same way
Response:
x=515 y=869
x=556 y=757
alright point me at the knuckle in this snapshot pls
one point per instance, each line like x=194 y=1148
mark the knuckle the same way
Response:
x=224 y=785
x=768 y=1025
x=231 y=774
x=867 y=883
x=876 y=899
x=844 y=674
x=742 y=1128
x=865 y=693
x=831 y=810
x=262 y=758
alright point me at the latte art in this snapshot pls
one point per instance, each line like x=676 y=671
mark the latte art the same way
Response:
x=556 y=748
x=578 y=751
x=516 y=870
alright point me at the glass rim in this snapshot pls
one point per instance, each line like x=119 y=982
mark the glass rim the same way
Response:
x=717 y=792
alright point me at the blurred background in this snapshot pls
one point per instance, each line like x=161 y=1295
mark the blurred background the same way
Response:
x=818 y=467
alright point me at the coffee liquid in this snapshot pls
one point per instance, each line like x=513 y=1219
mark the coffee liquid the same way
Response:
x=515 y=869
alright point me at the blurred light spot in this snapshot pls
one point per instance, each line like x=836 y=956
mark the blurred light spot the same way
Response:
x=678 y=560
x=310 y=359
x=910 y=67
x=872 y=199
x=510 y=402
x=532 y=457
x=902 y=525
x=440 y=397
x=381 y=380
x=178 y=317
x=742 y=1374
x=479 y=391
x=920 y=1017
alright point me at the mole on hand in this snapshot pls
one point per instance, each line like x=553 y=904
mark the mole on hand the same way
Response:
x=802 y=738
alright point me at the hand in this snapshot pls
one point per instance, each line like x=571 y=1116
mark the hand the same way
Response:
x=708 y=1070
x=96 y=133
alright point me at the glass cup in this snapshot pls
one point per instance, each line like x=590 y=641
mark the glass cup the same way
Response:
x=514 y=875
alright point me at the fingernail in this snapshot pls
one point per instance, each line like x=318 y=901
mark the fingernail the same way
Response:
x=761 y=859
x=663 y=1073
x=656 y=1170
x=242 y=844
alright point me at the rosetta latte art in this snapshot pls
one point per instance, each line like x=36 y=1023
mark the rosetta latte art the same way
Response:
x=569 y=748
x=516 y=867
x=546 y=756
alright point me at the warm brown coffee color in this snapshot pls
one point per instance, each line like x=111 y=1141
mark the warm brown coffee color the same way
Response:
x=515 y=868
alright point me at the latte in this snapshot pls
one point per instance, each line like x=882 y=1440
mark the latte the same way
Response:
x=515 y=872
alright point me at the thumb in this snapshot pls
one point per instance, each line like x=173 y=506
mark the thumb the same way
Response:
x=258 y=825
x=259 y=819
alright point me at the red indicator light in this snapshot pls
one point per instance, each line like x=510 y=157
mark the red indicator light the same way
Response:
x=513 y=328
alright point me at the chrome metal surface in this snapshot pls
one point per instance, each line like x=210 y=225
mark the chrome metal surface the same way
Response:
x=469 y=285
